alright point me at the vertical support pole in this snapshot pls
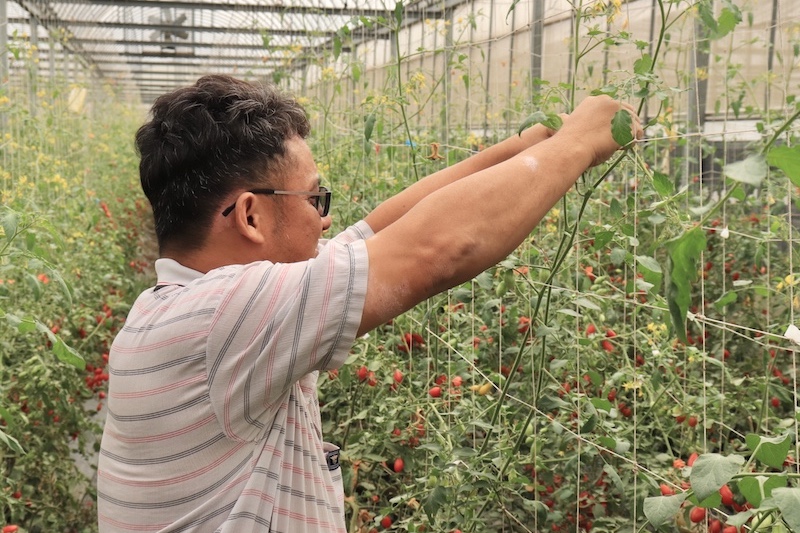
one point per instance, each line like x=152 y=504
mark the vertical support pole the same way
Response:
x=537 y=45
x=605 y=52
x=448 y=82
x=3 y=42
x=510 y=78
x=435 y=54
x=3 y=58
x=645 y=110
x=65 y=62
x=696 y=98
x=468 y=88
x=51 y=58
x=770 y=56
x=33 y=68
x=487 y=97
x=571 y=58
x=394 y=53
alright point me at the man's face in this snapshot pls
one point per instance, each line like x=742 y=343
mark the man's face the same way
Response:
x=297 y=225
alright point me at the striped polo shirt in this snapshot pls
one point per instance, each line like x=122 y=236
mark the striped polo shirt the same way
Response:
x=213 y=422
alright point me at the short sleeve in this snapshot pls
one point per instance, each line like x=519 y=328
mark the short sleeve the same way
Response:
x=276 y=323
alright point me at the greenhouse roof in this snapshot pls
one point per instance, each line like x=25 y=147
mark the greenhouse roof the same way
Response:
x=149 y=46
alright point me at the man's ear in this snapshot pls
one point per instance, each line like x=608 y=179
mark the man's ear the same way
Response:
x=247 y=221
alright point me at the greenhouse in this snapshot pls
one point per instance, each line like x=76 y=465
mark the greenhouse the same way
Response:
x=630 y=366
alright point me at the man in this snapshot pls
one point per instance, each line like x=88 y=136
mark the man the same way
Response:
x=213 y=422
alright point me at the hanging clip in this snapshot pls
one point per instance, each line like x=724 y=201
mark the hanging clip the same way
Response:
x=434 y=152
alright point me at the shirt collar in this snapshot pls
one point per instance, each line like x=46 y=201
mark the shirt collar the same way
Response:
x=170 y=272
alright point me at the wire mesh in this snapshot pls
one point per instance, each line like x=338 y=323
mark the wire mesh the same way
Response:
x=556 y=391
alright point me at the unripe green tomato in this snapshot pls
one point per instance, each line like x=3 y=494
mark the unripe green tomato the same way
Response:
x=501 y=288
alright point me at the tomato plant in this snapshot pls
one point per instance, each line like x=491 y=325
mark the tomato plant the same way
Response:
x=625 y=369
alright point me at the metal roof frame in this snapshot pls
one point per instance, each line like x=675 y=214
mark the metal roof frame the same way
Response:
x=120 y=40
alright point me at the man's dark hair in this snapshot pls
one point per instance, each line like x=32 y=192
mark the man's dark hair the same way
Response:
x=205 y=141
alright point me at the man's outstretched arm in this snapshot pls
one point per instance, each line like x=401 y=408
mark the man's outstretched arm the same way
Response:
x=397 y=206
x=462 y=228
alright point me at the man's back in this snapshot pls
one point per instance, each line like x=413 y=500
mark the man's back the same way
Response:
x=201 y=432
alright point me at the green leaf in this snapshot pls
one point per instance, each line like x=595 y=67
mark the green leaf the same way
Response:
x=788 y=501
x=643 y=65
x=649 y=263
x=590 y=424
x=740 y=519
x=511 y=9
x=7 y=417
x=771 y=451
x=601 y=404
x=684 y=253
x=706 y=12
x=68 y=355
x=548 y=120
x=621 y=127
x=661 y=510
x=398 y=13
x=616 y=208
x=66 y=288
x=34 y=284
x=601 y=238
x=26 y=325
x=608 y=442
x=711 y=471
x=712 y=501
x=788 y=160
x=726 y=299
x=10 y=222
x=337 y=46
x=265 y=38
x=613 y=475
x=728 y=19
x=588 y=304
x=434 y=501
x=484 y=281
x=12 y=443
x=751 y=171
x=663 y=184
x=369 y=125
x=756 y=488
x=618 y=256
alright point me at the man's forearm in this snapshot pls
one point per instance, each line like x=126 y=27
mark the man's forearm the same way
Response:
x=398 y=205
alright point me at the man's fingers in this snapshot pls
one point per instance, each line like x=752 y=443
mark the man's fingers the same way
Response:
x=638 y=131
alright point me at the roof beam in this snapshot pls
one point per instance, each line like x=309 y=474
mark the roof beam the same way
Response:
x=128 y=42
x=151 y=57
x=48 y=18
x=43 y=47
x=206 y=65
x=239 y=8
x=176 y=28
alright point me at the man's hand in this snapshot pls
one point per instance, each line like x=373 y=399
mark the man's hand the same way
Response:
x=590 y=126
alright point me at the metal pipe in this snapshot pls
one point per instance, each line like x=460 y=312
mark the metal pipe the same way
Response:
x=537 y=44
x=3 y=42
